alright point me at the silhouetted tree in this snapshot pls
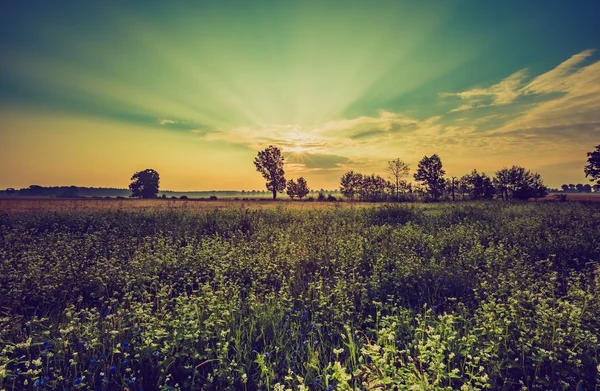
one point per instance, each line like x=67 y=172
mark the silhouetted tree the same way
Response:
x=565 y=188
x=431 y=175
x=398 y=169
x=587 y=188
x=291 y=188
x=579 y=187
x=10 y=191
x=479 y=186
x=145 y=184
x=592 y=169
x=270 y=164
x=301 y=188
x=519 y=183
x=572 y=187
x=350 y=184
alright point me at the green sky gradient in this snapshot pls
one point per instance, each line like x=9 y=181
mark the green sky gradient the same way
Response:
x=91 y=93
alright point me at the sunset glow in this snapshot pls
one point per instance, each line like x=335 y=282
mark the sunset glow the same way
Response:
x=90 y=94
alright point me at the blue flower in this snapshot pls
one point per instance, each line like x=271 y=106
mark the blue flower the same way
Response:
x=314 y=326
x=113 y=369
x=316 y=342
x=125 y=345
x=266 y=354
x=330 y=388
x=38 y=383
x=93 y=361
x=317 y=381
x=125 y=363
x=78 y=380
x=47 y=345
x=46 y=378
x=132 y=314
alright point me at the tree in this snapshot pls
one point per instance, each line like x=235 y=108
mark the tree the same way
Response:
x=579 y=187
x=398 y=170
x=270 y=164
x=431 y=174
x=145 y=184
x=350 y=184
x=587 y=188
x=301 y=188
x=291 y=188
x=10 y=191
x=592 y=169
x=565 y=188
x=519 y=183
x=478 y=185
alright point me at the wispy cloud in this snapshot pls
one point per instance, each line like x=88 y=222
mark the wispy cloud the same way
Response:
x=502 y=93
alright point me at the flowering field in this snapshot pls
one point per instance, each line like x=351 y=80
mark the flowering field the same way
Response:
x=436 y=297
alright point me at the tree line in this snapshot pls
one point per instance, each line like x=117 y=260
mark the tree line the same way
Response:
x=515 y=182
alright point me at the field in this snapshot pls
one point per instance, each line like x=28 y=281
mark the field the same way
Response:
x=305 y=296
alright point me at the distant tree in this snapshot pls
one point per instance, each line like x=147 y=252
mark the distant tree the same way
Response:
x=145 y=184
x=270 y=164
x=69 y=192
x=596 y=188
x=579 y=187
x=350 y=184
x=398 y=170
x=373 y=188
x=301 y=188
x=431 y=175
x=291 y=188
x=479 y=186
x=321 y=196
x=518 y=183
x=572 y=187
x=565 y=188
x=10 y=191
x=592 y=169
x=587 y=188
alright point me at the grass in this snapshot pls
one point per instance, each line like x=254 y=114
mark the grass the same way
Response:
x=430 y=297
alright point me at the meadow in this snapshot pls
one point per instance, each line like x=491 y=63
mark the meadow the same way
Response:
x=488 y=295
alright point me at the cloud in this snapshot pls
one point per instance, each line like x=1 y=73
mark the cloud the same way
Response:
x=502 y=93
x=558 y=79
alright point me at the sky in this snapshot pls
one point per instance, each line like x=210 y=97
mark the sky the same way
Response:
x=91 y=92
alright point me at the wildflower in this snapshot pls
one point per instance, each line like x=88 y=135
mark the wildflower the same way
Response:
x=330 y=388
x=125 y=363
x=132 y=314
x=316 y=342
x=113 y=369
x=38 y=383
x=132 y=380
x=47 y=345
x=101 y=374
x=317 y=381
x=266 y=354
x=125 y=345
x=78 y=380
x=314 y=326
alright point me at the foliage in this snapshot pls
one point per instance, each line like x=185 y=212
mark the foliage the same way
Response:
x=350 y=184
x=431 y=174
x=592 y=169
x=518 y=183
x=297 y=189
x=477 y=185
x=468 y=296
x=270 y=164
x=145 y=184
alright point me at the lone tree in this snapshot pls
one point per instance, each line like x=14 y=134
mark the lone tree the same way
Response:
x=431 y=174
x=270 y=164
x=145 y=184
x=398 y=169
x=593 y=167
